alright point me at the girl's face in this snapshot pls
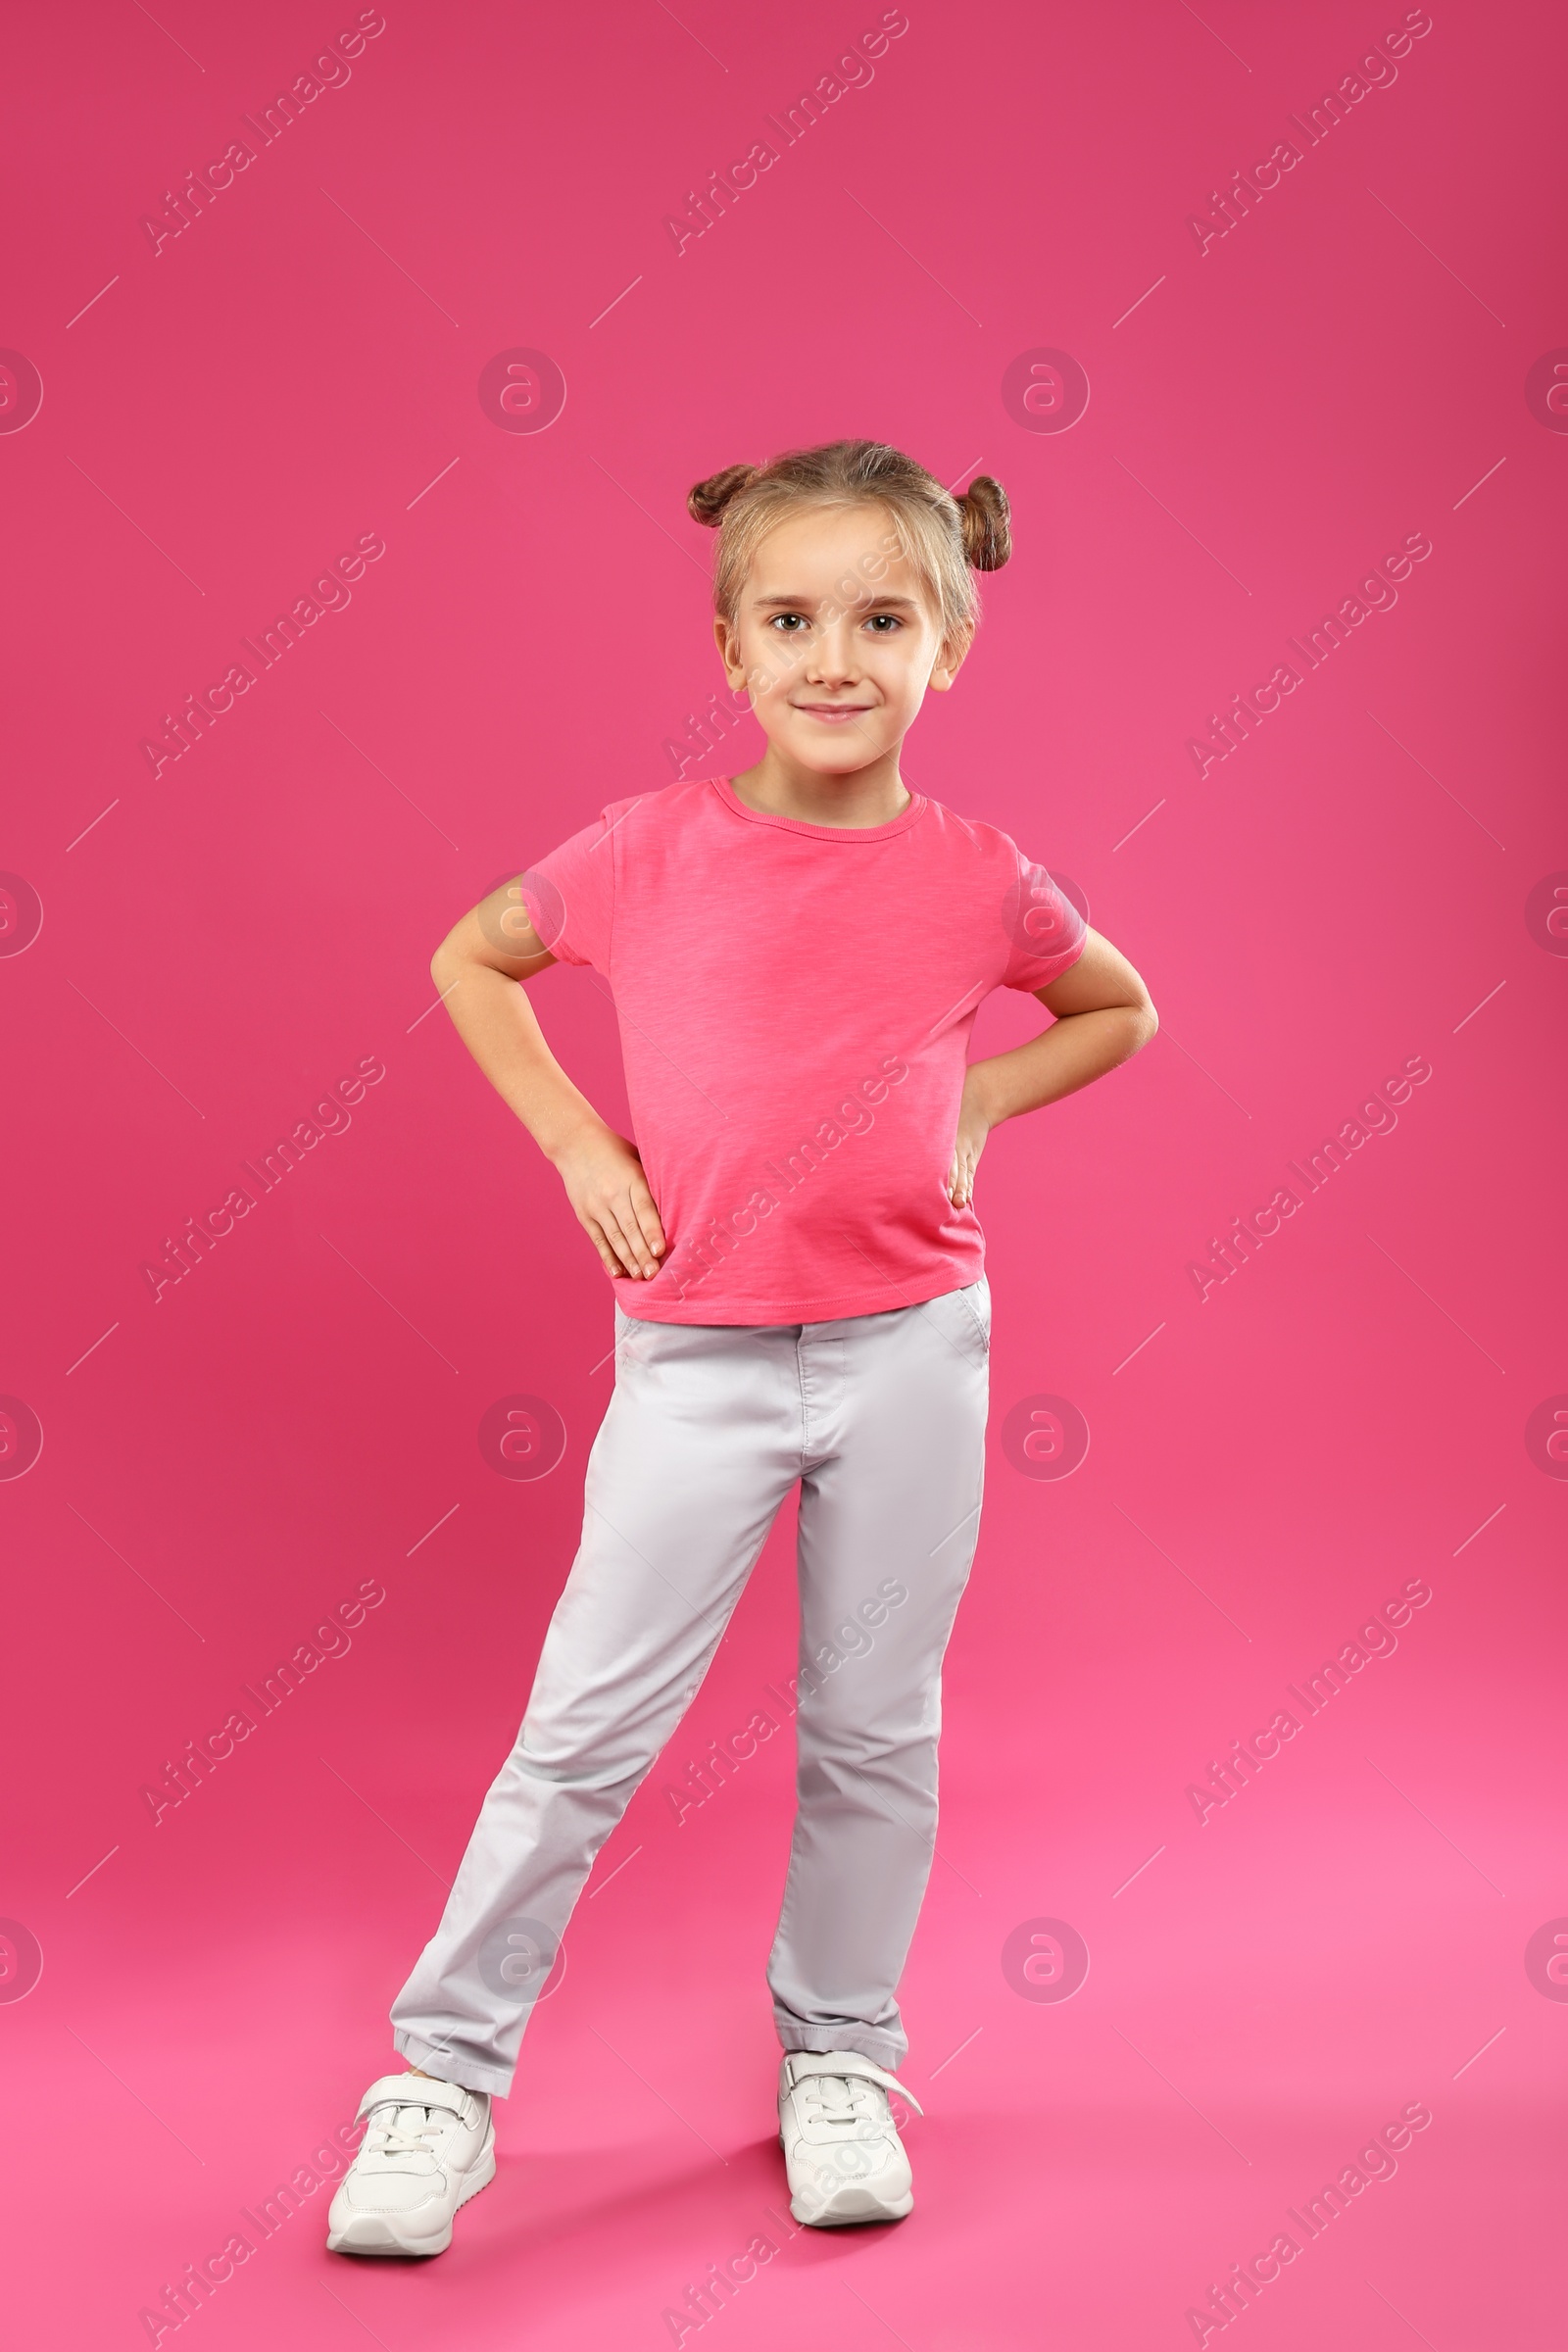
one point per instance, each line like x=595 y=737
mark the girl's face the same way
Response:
x=836 y=639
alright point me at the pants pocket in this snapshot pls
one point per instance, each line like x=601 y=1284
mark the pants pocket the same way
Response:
x=977 y=1306
x=627 y=1331
x=967 y=1314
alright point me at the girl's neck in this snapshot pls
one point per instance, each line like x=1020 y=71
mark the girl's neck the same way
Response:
x=866 y=796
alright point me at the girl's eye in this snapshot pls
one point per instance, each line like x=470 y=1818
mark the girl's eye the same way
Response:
x=884 y=622
x=789 y=624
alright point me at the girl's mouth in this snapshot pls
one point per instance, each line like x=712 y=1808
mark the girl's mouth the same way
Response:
x=833 y=714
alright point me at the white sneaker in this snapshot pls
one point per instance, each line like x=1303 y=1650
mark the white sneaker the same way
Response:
x=842 y=2150
x=428 y=2146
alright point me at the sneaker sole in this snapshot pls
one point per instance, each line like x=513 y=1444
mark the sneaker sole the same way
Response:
x=848 y=2205
x=851 y=2205
x=377 y=2233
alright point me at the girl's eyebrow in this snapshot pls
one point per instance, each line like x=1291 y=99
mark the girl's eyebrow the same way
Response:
x=804 y=603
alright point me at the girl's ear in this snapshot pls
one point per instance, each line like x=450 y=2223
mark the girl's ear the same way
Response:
x=949 y=661
x=724 y=637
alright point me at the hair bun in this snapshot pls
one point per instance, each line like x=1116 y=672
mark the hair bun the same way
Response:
x=706 y=503
x=985 y=515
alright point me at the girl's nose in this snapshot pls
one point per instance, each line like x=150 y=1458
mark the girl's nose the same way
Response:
x=831 y=660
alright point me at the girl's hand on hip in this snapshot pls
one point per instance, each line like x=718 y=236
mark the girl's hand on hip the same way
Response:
x=973 y=1128
x=603 y=1174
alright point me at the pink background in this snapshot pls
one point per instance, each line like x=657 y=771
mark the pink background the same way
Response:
x=1350 y=888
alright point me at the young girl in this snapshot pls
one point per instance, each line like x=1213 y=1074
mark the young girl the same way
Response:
x=796 y=955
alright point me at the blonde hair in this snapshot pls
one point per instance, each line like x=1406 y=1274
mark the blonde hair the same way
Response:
x=947 y=539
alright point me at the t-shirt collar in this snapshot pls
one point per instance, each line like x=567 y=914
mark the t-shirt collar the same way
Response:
x=901 y=824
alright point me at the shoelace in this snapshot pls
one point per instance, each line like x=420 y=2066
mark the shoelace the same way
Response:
x=837 y=2099
x=851 y=2099
x=397 y=2138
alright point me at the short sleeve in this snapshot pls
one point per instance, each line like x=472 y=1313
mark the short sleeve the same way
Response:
x=1046 y=933
x=570 y=894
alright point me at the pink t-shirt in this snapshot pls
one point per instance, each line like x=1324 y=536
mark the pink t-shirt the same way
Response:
x=795 y=1004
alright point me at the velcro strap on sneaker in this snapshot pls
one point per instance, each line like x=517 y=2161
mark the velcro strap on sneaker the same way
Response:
x=802 y=2063
x=414 y=2090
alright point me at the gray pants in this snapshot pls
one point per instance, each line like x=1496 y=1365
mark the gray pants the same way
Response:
x=881 y=1419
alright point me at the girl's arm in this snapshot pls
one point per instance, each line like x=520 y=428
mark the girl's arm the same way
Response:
x=479 y=969
x=1103 y=1014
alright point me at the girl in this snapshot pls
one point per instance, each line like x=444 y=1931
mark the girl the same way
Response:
x=796 y=955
